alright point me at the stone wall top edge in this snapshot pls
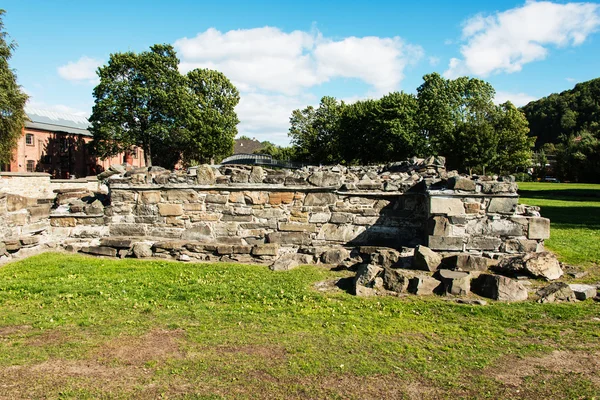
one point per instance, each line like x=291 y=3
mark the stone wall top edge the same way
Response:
x=442 y=194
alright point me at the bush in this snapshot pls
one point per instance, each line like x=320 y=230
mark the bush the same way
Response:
x=523 y=177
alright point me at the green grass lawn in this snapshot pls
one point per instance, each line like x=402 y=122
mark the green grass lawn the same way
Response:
x=80 y=327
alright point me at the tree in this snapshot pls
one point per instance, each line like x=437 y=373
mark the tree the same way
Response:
x=213 y=121
x=142 y=100
x=12 y=99
x=514 y=146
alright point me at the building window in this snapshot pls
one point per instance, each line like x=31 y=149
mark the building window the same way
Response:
x=29 y=139
x=30 y=165
x=134 y=153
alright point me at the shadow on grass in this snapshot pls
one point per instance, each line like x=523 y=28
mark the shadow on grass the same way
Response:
x=572 y=217
x=562 y=194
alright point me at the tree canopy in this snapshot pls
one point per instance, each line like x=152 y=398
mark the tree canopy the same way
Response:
x=142 y=100
x=455 y=118
x=12 y=99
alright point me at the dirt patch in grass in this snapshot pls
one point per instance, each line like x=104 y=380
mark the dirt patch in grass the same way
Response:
x=513 y=370
x=156 y=345
x=14 y=330
x=264 y=352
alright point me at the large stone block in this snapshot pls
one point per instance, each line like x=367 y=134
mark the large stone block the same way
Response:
x=149 y=197
x=127 y=230
x=216 y=198
x=499 y=288
x=256 y=198
x=320 y=199
x=120 y=242
x=426 y=259
x=539 y=228
x=461 y=183
x=299 y=238
x=448 y=243
x=325 y=179
x=205 y=175
x=101 y=251
x=484 y=243
x=319 y=217
x=267 y=249
x=340 y=233
x=467 y=262
x=162 y=232
x=122 y=196
x=341 y=218
x=455 y=282
x=276 y=198
x=39 y=212
x=170 y=210
x=14 y=202
x=63 y=221
x=438 y=226
x=201 y=232
x=446 y=206
x=294 y=227
x=504 y=227
x=503 y=205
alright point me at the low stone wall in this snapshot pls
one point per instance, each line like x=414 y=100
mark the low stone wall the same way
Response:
x=39 y=185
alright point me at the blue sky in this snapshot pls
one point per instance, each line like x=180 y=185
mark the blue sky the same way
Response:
x=286 y=55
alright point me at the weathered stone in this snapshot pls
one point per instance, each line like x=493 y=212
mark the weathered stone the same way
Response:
x=325 y=179
x=256 y=175
x=365 y=279
x=290 y=261
x=539 y=228
x=170 y=210
x=461 y=183
x=127 y=230
x=102 y=251
x=240 y=177
x=300 y=238
x=467 y=262
x=335 y=256
x=295 y=227
x=543 y=265
x=499 y=288
x=450 y=243
x=423 y=285
x=29 y=240
x=63 y=222
x=455 y=282
x=149 y=197
x=426 y=259
x=498 y=187
x=483 y=243
x=503 y=205
x=181 y=195
x=504 y=227
x=169 y=245
x=241 y=249
x=94 y=208
x=276 y=198
x=446 y=205
x=396 y=280
x=14 y=202
x=319 y=217
x=125 y=196
x=169 y=233
x=184 y=257
x=519 y=246
x=236 y=218
x=340 y=233
x=268 y=249
x=295 y=181
x=12 y=245
x=320 y=199
x=274 y=179
x=224 y=249
x=555 y=292
x=201 y=232
x=142 y=250
x=472 y=208
x=361 y=220
x=385 y=257
x=205 y=175
x=341 y=218
x=120 y=243
x=583 y=292
x=256 y=198
x=439 y=226
x=216 y=198
x=39 y=212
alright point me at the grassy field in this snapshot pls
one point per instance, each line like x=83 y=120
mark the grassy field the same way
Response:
x=79 y=327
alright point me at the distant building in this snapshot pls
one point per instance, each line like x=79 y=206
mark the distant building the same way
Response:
x=59 y=144
x=246 y=146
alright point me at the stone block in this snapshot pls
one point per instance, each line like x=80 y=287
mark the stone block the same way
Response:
x=446 y=206
x=320 y=199
x=29 y=240
x=237 y=198
x=341 y=218
x=299 y=238
x=447 y=243
x=102 y=251
x=426 y=259
x=267 y=249
x=216 y=198
x=335 y=256
x=257 y=174
x=423 y=285
x=240 y=177
x=503 y=205
x=340 y=233
x=319 y=217
x=438 y=226
x=539 y=228
x=127 y=230
x=583 y=292
x=467 y=262
x=224 y=249
x=119 y=243
x=12 y=245
x=325 y=179
x=39 y=212
x=256 y=198
x=483 y=243
x=14 y=202
x=472 y=208
x=242 y=249
x=205 y=175
x=296 y=227
x=455 y=282
x=361 y=220
x=201 y=232
x=555 y=292
x=63 y=221
x=149 y=197
x=295 y=181
x=236 y=218
x=461 y=183
x=290 y=261
x=504 y=227
x=122 y=196
x=276 y=198
x=170 y=210
x=194 y=207
x=499 y=288
x=180 y=195
x=162 y=232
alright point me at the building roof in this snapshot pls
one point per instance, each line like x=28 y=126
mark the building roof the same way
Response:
x=246 y=146
x=57 y=122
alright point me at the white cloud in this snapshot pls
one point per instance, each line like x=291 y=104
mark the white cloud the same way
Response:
x=82 y=70
x=506 y=41
x=274 y=69
x=571 y=80
x=518 y=99
x=61 y=108
x=433 y=61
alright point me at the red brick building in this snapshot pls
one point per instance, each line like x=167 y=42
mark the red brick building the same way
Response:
x=58 y=143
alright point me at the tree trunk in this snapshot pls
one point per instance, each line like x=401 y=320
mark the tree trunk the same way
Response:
x=147 y=155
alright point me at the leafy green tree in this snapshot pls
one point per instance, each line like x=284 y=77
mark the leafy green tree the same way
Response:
x=12 y=99
x=513 y=150
x=212 y=121
x=137 y=103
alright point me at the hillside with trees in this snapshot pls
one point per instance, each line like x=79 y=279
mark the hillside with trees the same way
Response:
x=567 y=127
